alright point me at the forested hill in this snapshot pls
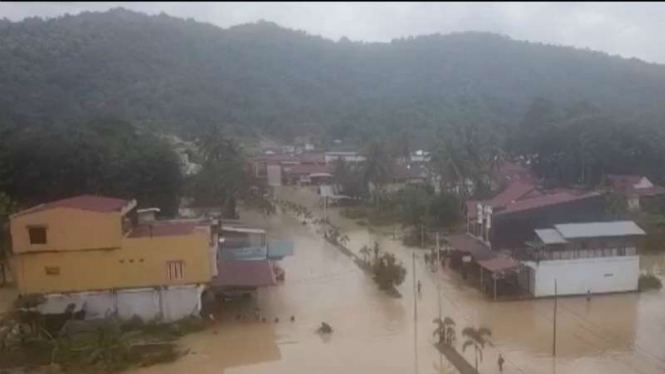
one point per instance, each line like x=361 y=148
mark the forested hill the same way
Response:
x=179 y=74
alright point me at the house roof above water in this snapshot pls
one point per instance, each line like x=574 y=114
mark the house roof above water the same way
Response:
x=92 y=203
x=598 y=229
x=550 y=236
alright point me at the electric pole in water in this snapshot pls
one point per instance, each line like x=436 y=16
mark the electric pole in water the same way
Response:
x=554 y=322
x=438 y=287
x=415 y=315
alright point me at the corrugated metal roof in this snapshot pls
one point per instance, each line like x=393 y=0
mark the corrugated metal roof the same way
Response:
x=466 y=243
x=83 y=202
x=241 y=273
x=598 y=229
x=550 y=236
x=545 y=200
x=499 y=263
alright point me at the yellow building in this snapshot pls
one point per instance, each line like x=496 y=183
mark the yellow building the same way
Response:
x=96 y=252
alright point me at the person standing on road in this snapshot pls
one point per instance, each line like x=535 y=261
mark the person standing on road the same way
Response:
x=419 y=285
x=500 y=361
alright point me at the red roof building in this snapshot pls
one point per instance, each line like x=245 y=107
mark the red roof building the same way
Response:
x=635 y=188
x=86 y=202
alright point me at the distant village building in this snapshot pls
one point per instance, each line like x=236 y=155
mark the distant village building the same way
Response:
x=107 y=258
x=420 y=156
x=310 y=174
x=499 y=229
x=591 y=257
x=348 y=156
x=507 y=221
x=637 y=190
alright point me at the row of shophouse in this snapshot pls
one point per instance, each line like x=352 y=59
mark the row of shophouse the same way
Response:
x=526 y=239
x=107 y=257
x=318 y=168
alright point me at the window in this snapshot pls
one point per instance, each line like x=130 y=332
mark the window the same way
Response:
x=52 y=270
x=37 y=235
x=175 y=270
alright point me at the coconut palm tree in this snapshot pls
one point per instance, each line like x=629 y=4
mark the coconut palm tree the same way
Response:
x=377 y=168
x=445 y=330
x=365 y=251
x=476 y=338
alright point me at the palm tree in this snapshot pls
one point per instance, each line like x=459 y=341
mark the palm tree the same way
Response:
x=365 y=251
x=445 y=330
x=377 y=168
x=476 y=337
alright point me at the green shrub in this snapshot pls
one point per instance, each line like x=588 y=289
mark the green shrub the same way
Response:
x=649 y=282
x=387 y=272
x=355 y=213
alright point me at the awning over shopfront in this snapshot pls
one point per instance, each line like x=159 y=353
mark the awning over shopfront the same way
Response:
x=244 y=274
x=499 y=264
x=466 y=243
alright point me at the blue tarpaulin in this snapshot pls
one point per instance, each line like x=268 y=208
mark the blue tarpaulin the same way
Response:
x=278 y=249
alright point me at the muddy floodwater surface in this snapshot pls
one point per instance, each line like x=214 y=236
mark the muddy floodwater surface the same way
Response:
x=374 y=333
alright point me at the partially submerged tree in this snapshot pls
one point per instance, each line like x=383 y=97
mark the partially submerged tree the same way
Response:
x=224 y=178
x=388 y=273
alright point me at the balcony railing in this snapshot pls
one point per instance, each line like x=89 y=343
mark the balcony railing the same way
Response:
x=554 y=255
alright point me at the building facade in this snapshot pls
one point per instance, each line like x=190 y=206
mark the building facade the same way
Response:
x=583 y=258
x=94 y=252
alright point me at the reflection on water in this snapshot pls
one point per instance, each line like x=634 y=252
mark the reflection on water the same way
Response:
x=374 y=333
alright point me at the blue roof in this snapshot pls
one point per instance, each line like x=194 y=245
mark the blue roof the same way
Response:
x=278 y=249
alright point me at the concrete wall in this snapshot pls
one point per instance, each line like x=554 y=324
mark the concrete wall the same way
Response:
x=67 y=230
x=139 y=262
x=575 y=277
x=165 y=304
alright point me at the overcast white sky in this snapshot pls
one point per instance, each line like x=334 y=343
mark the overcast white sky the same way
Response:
x=626 y=29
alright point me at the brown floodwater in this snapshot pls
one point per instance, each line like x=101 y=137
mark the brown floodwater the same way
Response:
x=374 y=333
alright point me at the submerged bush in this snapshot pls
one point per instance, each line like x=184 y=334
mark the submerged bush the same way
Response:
x=649 y=282
x=388 y=273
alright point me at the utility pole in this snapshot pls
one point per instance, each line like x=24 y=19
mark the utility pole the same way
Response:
x=438 y=268
x=325 y=216
x=438 y=288
x=422 y=235
x=415 y=315
x=554 y=322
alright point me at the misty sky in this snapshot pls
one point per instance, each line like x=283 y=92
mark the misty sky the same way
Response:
x=626 y=29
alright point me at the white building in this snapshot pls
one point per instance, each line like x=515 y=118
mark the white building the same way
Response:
x=595 y=257
x=346 y=156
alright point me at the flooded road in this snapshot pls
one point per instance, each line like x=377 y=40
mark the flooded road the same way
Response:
x=374 y=333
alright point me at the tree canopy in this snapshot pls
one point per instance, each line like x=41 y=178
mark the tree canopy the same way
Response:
x=180 y=75
x=106 y=156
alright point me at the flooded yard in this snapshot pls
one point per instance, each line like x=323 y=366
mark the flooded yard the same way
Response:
x=374 y=333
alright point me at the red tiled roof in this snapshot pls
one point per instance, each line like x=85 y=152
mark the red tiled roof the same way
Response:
x=162 y=229
x=651 y=191
x=239 y=273
x=625 y=184
x=83 y=202
x=317 y=158
x=545 y=200
x=512 y=193
x=509 y=172
x=499 y=263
